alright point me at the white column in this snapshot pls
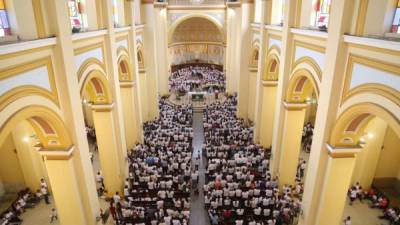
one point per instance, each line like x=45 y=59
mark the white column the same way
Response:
x=261 y=67
x=135 y=71
x=284 y=73
x=333 y=76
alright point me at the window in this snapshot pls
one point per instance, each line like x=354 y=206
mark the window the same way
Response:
x=75 y=13
x=321 y=12
x=396 y=19
x=115 y=12
x=4 y=25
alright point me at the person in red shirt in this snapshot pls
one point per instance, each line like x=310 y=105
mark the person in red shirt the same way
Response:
x=227 y=214
x=383 y=204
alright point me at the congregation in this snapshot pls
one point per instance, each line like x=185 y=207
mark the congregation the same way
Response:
x=26 y=199
x=240 y=189
x=199 y=78
x=157 y=191
x=377 y=200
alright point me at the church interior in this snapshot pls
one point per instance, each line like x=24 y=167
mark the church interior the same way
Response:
x=200 y=112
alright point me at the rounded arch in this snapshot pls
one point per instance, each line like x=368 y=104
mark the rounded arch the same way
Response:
x=47 y=123
x=88 y=65
x=182 y=19
x=350 y=125
x=255 y=54
x=271 y=71
x=95 y=84
x=139 y=54
x=124 y=68
x=304 y=80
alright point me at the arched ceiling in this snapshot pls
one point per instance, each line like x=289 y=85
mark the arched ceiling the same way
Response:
x=197 y=29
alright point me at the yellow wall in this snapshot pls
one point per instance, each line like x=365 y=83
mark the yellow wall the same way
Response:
x=2 y=191
x=10 y=169
x=21 y=17
x=367 y=159
x=144 y=98
x=252 y=95
x=87 y=112
x=379 y=17
x=267 y=115
x=32 y=166
x=389 y=161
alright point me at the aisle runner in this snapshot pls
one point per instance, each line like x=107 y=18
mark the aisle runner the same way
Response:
x=198 y=214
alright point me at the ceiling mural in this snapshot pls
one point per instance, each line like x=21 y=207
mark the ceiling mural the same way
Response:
x=197 y=29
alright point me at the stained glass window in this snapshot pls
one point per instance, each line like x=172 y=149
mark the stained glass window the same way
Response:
x=75 y=10
x=4 y=25
x=396 y=19
x=321 y=10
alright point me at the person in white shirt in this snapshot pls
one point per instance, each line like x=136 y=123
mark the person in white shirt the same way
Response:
x=116 y=198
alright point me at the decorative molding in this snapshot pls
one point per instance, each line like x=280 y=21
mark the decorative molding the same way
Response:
x=310 y=33
x=57 y=154
x=273 y=27
x=37 y=11
x=21 y=48
x=122 y=29
x=376 y=45
x=160 y=4
x=233 y=4
x=294 y=106
x=343 y=152
x=89 y=34
x=381 y=89
x=269 y=83
x=26 y=90
x=127 y=84
x=102 y=107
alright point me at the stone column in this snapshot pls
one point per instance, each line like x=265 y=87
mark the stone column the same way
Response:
x=269 y=89
x=107 y=142
x=332 y=79
x=291 y=142
x=64 y=183
x=130 y=113
x=337 y=178
x=112 y=73
x=284 y=73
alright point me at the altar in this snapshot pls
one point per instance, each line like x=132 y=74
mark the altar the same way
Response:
x=197 y=95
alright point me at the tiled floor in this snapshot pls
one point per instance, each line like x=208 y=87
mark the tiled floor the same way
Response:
x=198 y=215
x=361 y=214
x=40 y=215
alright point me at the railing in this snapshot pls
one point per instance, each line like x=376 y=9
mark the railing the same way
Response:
x=196 y=2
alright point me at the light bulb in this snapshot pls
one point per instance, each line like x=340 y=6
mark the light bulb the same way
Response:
x=26 y=139
x=370 y=135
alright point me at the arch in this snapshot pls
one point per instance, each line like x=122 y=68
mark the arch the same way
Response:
x=355 y=113
x=47 y=123
x=140 y=58
x=181 y=19
x=350 y=125
x=96 y=86
x=304 y=80
x=124 y=68
x=255 y=54
x=271 y=71
x=88 y=65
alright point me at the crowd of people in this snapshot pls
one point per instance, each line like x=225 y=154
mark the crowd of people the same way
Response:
x=199 y=78
x=307 y=135
x=376 y=200
x=157 y=190
x=26 y=199
x=239 y=188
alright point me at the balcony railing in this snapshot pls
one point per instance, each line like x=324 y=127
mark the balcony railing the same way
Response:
x=194 y=2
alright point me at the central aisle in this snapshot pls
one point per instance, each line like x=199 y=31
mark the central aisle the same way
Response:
x=198 y=214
